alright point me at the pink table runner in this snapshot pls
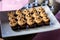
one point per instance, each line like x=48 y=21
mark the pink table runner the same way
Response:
x=0 y=6
x=7 y=5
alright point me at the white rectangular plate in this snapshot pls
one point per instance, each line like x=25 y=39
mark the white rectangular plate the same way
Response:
x=8 y=32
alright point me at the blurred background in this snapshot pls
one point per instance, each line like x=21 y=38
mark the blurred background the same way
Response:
x=53 y=4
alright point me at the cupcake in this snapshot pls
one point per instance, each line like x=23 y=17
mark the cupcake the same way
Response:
x=35 y=15
x=18 y=12
x=32 y=10
x=40 y=9
x=9 y=18
x=30 y=23
x=46 y=20
x=20 y=16
x=13 y=24
x=43 y=14
x=28 y=17
x=22 y=23
x=38 y=20
x=11 y=15
x=13 y=21
x=25 y=12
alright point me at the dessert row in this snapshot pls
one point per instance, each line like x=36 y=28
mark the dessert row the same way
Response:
x=28 y=18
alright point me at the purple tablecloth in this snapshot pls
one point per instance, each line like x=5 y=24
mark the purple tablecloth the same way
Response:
x=51 y=35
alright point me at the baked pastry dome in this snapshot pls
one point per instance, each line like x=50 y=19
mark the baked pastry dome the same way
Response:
x=11 y=16
x=21 y=21
x=38 y=20
x=18 y=12
x=30 y=22
x=20 y=16
x=43 y=14
x=28 y=17
x=46 y=20
x=13 y=22
x=35 y=15
x=40 y=9
x=32 y=10
x=25 y=11
x=10 y=13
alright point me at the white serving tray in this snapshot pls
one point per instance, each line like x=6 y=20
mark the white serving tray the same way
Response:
x=8 y=32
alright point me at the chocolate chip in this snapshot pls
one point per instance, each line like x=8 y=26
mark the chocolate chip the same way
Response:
x=32 y=17
x=16 y=19
x=15 y=15
x=31 y=13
